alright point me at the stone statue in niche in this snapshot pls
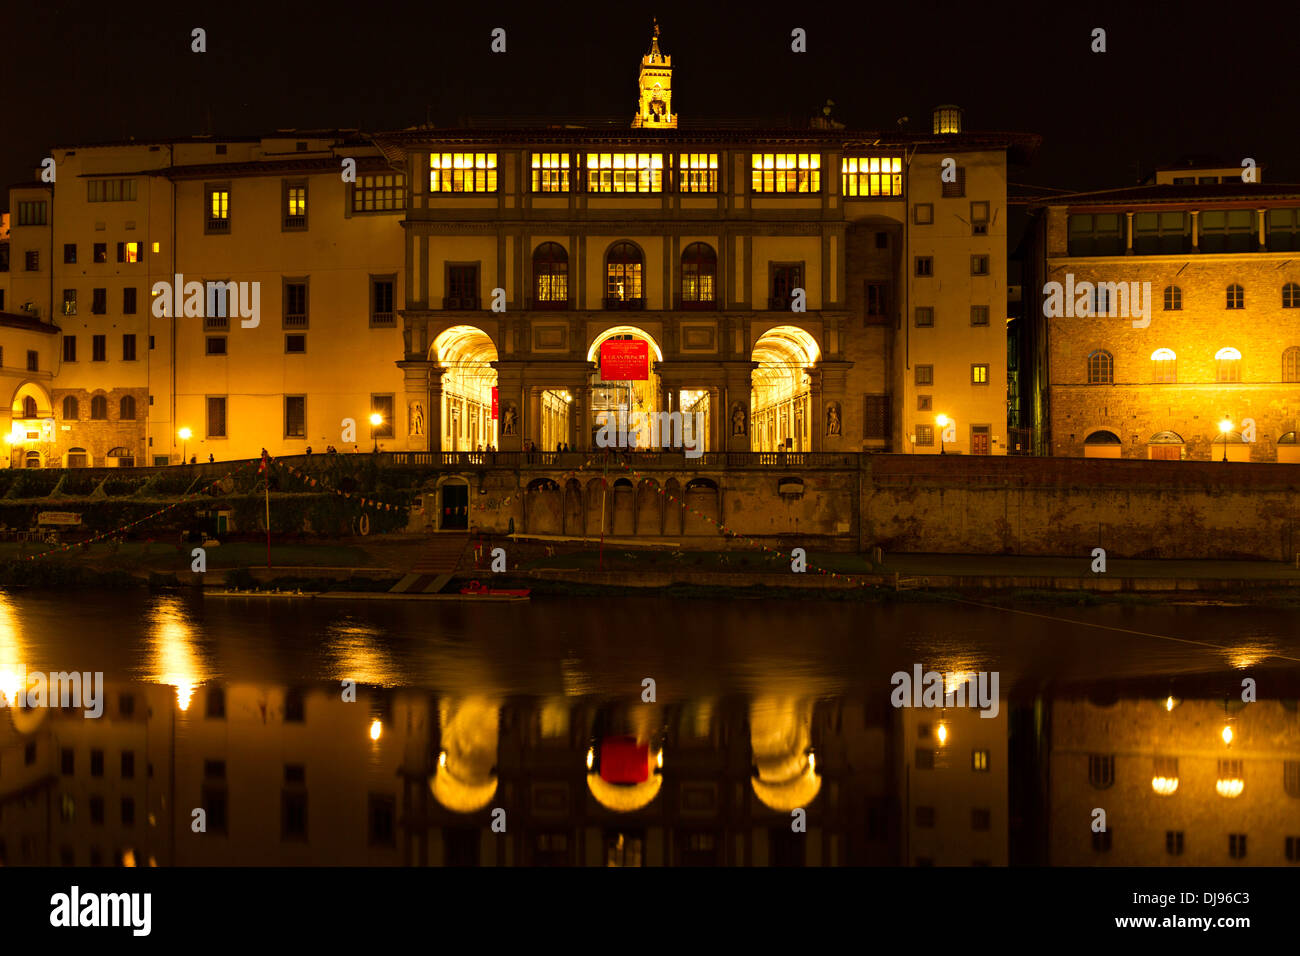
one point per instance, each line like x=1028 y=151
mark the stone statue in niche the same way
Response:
x=417 y=420
x=833 y=418
x=509 y=420
x=737 y=419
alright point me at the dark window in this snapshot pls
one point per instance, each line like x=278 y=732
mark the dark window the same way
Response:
x=97 y=810
x=924 y=266
x=1101 y=368
x=99 y=409
x=295 y=416
x=1230 y=230
x=957 y=188
x=128 y=812
x=295 y=305
x=462 y=287
x=32 y=213
x=32 y=261
x=295 y=344
x=980 y=819
x=216 y=803
x=1161 y=233
x=924 y=374
x=979 y=315
x=1101 y=234
x=215 y=345
x=1173 y=298
x=100 y=250
x=925 y=817
x=99 y=348
x=97 y=763
x=128 y=764
x=1174 y=842
x=1291 y=296
x=69 y=348
x=1237 y=846
x=1101 y=842
x=382 y=816
x=786 y=277
x=1293 y=849
x=70 y=252
x=126 y=704
x=1283 y=230
x=979 y=265
x=876 y=419
x=99 y=301
x=293 y=817
x=550 y=276
x=876 y=298
x=71 y=409
x=126 y=409
x=215 y=704
x=128 y=347
x=1236 y=297
x=128 y=300
x=699 y=276
x=67 y=761
x=29 y=753
x=924 y=758
x=381 y=301
x=1101 y=770
x=216 y=417
x=214 y=770
x=295 y=773
x=924 y=317
x=295 y=706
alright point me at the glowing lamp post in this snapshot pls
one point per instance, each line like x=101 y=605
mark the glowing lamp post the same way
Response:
x=943 y=421
x=1225 y=426
x=375 y=421
x=184 y=434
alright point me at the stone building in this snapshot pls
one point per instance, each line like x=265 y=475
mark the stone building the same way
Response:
x=1213 y=370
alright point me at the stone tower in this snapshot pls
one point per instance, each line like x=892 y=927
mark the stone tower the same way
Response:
x=655 y=89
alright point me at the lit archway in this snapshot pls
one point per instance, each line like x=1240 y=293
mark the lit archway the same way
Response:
x=780 y=405
x=465 y=779
x=467 y=354
x=618 y=405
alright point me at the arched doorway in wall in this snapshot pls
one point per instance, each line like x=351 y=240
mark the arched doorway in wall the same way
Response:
x=453 y=504
x=780 y=404
x=77 y=458
x=1165 y=446
x=467 y=354
x=1101 y=444
x=622 y=400
x=121 y=457
x=31 y=431
x=1288 y=450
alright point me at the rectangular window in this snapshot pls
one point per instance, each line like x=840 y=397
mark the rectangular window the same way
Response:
x=33 y=360
x=979 y=212
x=99 y=251
x=924 y=317
x=295 y=416
x=979 y=315
x=925 y=817
x=99 y=348
x=1174 y=842
x=924 y=266
x=110 y=190
x=216 y=416
x=97 y=763
x=979 y=760
x=786 y=277
x=979 y=265
x=1233 y=230
x=216 y=345
x=128 y=300
x=69 y=348
x=128 y=347
x=1162 y=233
x=382 y=405
x=923 y=214
x=1237 y=846
x=128 y=764
x=625 y=172
x=381 y=301
x=381 y=192
x=786 y=172
x=462 y=172
x=979 y=374
x=924 y=374
x=957 y=187
x=32 y=261
x=550 y=172
x=295 y=206
x=295 y=344
x=980 y=818
x=216 y=217
x=697 y=172
x=1101 y=234
x=876 y=297
x=69 y=301
x=99 y=301
x=876 y=419
x=32 y=213
x=70 y=252
x=462 y=287
x=924 y=403
x=1283 y=227
x=295 y=303
x=870 y=176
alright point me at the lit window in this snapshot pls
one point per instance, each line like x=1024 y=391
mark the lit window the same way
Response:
x=551 y=276
x=218 y=209
x=699 y=275
x=550 y=172
x=1165 y=366
x=979 y=374
x=1228 y=365
x=872 y=175
x=295 y=205
x=625 y=172
x=979 y=760
x=463 y=172
x=623 y=274
x=786 y=172
x=697 y=172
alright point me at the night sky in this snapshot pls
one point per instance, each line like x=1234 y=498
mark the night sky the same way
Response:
x=1176 y=80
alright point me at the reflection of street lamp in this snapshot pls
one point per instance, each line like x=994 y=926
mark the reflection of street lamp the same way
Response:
x=1225 y=426
x=942 y=421
x=375 y=421
x=184 y=435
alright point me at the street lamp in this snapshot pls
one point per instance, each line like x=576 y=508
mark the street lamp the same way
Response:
x=1225 y=426
x=375 y=421
x=942 y=421
x=184 y=434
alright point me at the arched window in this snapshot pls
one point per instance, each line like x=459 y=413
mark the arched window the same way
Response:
x=33 y=460
x=70 y=409
x=126 y=409
x=1291 y=296
x=1236 y=297
x=1164 y=366
x=624 y=266
x=1101 y=770
x=1173 y=298
x=1101 y=368
x=1228 y=365
x=29 y=407
x=550 y=276
x=98 y=408
x=699 y=276
x=1291 y=364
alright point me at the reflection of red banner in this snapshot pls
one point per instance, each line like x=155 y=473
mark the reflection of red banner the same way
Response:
x=624 y=361
x=624 y=760
x=495 y=406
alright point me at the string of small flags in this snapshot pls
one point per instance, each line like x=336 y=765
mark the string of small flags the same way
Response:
x=131 y=524
x=318 y=483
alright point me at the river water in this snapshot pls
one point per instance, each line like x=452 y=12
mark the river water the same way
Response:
x=641 y=731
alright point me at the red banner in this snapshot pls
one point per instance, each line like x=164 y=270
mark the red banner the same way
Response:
x=622 y=360
x=495 y=406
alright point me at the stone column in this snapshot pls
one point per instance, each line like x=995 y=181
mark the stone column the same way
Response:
x=1263 y=240
x=421 y=379
x=1128 y=234
x=1196 y=235
x=580 y=418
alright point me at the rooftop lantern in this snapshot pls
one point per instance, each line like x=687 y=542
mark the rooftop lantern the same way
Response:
x=947 y=119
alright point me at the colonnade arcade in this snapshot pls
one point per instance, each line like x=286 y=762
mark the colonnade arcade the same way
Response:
x=770 y=402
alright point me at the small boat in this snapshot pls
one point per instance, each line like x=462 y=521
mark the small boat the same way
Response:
x=476 y=588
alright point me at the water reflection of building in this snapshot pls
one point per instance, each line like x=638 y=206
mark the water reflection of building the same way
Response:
x=1177 y=789
x=955 y=786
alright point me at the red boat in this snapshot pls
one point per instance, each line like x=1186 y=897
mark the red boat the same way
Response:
x=478 y=588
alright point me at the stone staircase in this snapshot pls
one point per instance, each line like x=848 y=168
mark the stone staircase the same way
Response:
x=435 y=566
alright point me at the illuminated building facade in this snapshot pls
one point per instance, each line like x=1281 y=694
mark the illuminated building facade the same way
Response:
x=1215 y=371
